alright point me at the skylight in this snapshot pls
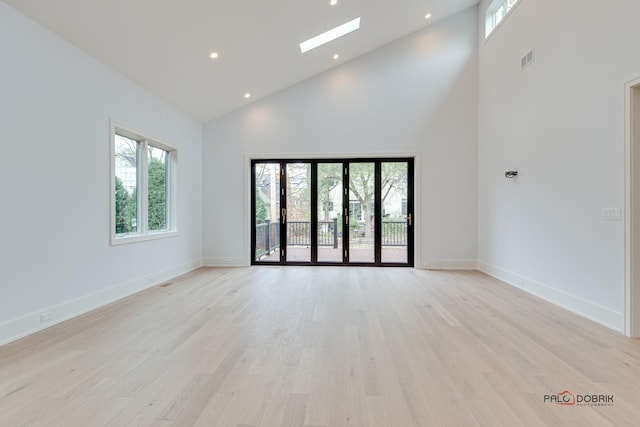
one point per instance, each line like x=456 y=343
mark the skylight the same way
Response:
x=330 y=35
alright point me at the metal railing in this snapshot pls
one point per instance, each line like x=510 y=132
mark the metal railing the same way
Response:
x=394 y=233
x=299 y=233
x=328 y=233
x=267 y=238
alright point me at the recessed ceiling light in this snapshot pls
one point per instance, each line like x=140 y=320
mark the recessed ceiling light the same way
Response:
x=427 y=16
x=333 y=2
x=247 y=95
x=336 y=56
x=214 y=55
x=330 y=35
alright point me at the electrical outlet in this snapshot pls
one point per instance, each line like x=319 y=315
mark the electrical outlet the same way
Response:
x=46 y=317
x=612 y=214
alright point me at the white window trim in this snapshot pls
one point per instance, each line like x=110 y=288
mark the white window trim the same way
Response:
x=490 y=16
x=144 y=234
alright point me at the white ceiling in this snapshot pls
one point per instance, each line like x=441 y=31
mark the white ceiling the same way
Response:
x=164 y=45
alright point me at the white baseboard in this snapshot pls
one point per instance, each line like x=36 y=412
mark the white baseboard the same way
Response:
x=225 y=262
x=577 y=305
x=29 y=324
x=449 y=264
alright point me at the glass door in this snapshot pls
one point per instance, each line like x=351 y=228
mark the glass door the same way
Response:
x=266 y=212
x=362 y=213
x=297 y=215
x=395 y=212
x=329 y=216
x=332 y=212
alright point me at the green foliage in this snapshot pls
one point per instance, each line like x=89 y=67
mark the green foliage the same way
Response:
x=361 y=184
x=132 y=210
x=157 y=185
x=127 y=203
x=261 y=209
x=123 y=211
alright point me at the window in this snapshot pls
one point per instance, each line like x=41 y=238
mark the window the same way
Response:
x=496 y=12
x=143 y=187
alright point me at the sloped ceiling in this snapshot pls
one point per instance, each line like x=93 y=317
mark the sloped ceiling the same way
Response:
x=165 y=45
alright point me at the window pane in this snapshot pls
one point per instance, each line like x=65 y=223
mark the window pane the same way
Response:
x=267 y=212
x=330 y=212
x=394 y=212
x=361 y=212
x=298 y=212
x=499 y=15
x=157 y=162
x=496 y=12
x=126 y=197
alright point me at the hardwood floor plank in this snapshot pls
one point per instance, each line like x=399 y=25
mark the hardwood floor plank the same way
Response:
x=295 y=410
x=212 y=412
x=321 y=347
x=304 y=374
x=318 y=402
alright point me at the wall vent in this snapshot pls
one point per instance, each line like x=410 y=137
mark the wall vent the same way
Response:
x=528 y=59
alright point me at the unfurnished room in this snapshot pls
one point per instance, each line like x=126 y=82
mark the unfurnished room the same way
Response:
x=320 y=213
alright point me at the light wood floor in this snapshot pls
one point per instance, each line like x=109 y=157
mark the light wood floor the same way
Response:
x=270 y=346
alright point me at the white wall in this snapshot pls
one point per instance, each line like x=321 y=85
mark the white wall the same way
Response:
x=560 y=122
x=417 y=95
x=55 y=107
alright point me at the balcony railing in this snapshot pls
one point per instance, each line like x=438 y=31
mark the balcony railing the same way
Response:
x=299 y=233
x=394 y=233
x=267 y=238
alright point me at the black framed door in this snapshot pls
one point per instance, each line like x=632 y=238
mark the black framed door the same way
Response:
x=332 y=212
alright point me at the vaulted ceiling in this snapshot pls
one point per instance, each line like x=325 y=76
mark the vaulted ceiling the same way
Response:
x=165 y=45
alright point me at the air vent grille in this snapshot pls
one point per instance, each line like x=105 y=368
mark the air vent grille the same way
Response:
x=528 y=59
